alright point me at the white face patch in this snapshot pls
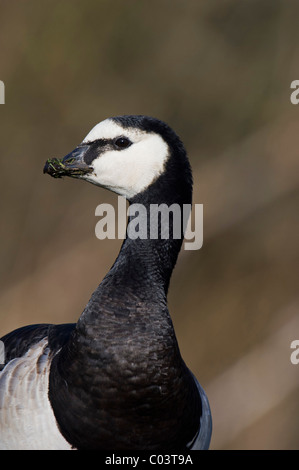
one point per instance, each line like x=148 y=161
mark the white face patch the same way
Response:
x=107 y=129
x=131 y=170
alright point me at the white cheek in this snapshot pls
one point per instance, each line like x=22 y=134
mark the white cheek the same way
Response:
x=128 y=172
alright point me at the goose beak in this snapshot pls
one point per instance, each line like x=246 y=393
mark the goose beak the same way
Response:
x=72 y=164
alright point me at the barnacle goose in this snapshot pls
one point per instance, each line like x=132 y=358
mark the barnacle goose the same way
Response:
x=115 y=379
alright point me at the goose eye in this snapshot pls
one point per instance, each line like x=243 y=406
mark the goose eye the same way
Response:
x=122 y=143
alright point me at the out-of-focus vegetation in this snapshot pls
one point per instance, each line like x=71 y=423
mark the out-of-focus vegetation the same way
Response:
x=219 y=73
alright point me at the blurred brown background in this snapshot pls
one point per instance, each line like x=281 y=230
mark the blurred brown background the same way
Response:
x=219 y=73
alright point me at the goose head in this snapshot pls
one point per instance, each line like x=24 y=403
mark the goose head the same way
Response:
x=126 y=155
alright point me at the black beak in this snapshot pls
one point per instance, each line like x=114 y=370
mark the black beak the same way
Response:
x=72 y=164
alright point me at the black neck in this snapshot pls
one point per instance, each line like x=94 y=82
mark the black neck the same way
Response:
x=144 y=265
x=124 y=350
